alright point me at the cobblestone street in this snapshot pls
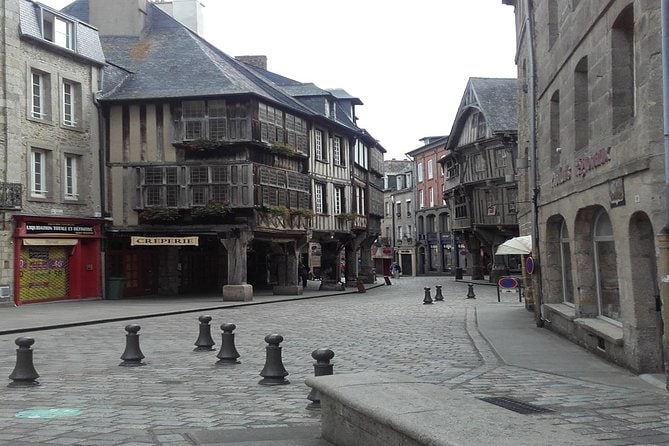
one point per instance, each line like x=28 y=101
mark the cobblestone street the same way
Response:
x=179 y=392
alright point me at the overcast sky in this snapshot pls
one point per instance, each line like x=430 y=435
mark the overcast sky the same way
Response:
x=408 y=61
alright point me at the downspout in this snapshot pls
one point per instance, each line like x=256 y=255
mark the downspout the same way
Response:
x=532 y=87
x=663 y=236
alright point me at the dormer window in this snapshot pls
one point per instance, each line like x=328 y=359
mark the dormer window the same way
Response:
x=57 y=30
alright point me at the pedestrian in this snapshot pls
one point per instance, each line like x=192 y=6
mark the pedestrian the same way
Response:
x=395 y=270
x=303 y=272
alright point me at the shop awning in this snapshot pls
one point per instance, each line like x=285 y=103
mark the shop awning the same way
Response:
x=516 y=245
x=50 y=241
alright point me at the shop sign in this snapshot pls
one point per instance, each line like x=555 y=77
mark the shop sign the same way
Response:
x=59 y=228
x=164 y=241
x=581 y=166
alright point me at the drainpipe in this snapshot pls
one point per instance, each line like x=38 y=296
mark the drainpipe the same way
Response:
x=532 y=87
x=663 y=237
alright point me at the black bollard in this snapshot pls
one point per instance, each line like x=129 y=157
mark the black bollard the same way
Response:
x=228 y=353
x=24 y=373
x=204 y=341
x=132 y=356
x=273 y=373
x=322 y=367
x=470 y=293
x=438 y=296
x=427 y=299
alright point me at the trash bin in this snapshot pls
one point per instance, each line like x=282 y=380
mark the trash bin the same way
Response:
x=458 y=273
x=115 y=287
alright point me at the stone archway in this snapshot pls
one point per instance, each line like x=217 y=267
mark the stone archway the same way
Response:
x=646 y=324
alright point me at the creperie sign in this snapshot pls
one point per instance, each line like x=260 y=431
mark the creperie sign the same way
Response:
x=164 y=241
x=581 y=167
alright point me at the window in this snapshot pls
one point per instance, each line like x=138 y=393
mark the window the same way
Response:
x=38 y=173
x=71 y=103
x=319 y=198
x=398 y=208
x=336 y=151
x=479 y=163
x=431 y=193
x=388 y=206
x=622 y=67
x=452 y=169
x=39 y=98
x=271 y=124
x=552 y=22
x=360 y=200
x=338 y=200
x=161 y=186
x=421 y=198
x=71 y=175
x=57 y=30
x=608 y=297
x=420 y=172
x=460 y=205
x=430 y=171
x=565 y=264
x=208 y=120
x=400 y=182
x=318 y=145
x=361 y=154
x=581 y=105
x=409 y=209
x=555 y=129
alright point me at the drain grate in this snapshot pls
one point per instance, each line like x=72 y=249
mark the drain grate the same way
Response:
x=515 y=405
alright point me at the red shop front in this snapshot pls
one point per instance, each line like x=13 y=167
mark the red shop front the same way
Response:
x=57 y=258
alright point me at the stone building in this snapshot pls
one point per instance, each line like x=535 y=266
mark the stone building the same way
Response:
x=593 y=196
x=436 y=253
x=51 y=206
x=398 y=227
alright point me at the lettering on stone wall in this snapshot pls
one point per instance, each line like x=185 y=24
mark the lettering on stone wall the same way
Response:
x=581 y=166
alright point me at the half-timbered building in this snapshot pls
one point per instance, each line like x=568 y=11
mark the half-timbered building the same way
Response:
x=479 y=171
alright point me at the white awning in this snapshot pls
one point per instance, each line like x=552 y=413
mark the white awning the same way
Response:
x=50 y=241
x=516 y=245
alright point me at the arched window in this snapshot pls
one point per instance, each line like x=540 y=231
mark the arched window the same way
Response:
x=622 y=67
x=565 y=265
x=606 y=269
x=581 y=105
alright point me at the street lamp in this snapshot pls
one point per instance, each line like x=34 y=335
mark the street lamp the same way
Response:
x=392 y=212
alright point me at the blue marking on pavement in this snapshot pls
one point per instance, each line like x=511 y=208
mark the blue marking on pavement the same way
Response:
x=48 y=413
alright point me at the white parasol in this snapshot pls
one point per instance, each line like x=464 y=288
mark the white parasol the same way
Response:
x=516 y=245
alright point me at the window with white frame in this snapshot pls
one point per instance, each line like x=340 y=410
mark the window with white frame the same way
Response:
x=319 y=198
x=409 y=209
x=430 y=170
x=160 y=186
x=400 y=181
x=421 y=198
x=420 y=172
x=71 y=103
x=338 y=200
x=360 y=200
x=319 y=151
x=361 y=154
x=38 y=173
x=208 y=120
x=337 y=158
x=388 y=206
x=431 y=193
x=71 y=177
x=57 y=29
x=39 y=95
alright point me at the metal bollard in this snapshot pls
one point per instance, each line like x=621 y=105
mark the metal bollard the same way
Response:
x=24 y=373
x=273 y=373
x=228 y=353
x=204 y=341
x=322 y=367
x=470 y=293
x=427 y=299
x=438 y=296
x=132 y=356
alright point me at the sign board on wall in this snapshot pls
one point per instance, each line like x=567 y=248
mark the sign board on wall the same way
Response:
x=164 y=241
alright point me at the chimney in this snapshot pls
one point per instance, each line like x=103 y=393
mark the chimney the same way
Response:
x=255 y=61
x=188 y=12
x=117 y=18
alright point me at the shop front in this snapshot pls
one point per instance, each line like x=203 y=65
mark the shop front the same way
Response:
x=57 y=258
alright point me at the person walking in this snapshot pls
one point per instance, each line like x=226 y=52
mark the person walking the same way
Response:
x=303 y=272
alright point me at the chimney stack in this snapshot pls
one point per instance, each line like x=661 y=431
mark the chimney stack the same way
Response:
x=255 y=61
x=117 y=18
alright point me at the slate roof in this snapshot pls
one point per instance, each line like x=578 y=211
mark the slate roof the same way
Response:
x=498 y=100
x=171 y=61
x=87 y=43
